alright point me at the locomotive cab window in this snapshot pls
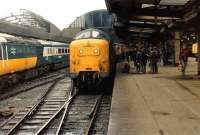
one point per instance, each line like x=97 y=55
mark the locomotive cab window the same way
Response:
x=83 y=35
x=96 y=34
x=93 y=34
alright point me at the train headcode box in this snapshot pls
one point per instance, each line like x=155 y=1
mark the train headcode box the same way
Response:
x=195 y=48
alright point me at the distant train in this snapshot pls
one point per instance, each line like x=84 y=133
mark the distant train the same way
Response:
x=92 y=58
x=25 y=58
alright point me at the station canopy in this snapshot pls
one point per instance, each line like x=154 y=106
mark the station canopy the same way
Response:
x=27 y=18
x=144 y=18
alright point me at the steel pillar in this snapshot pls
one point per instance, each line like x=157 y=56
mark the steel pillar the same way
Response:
x=198 y=51
x=177 y=44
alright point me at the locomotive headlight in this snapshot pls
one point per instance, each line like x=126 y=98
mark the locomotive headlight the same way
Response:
x=81 y=51
x=96 y=51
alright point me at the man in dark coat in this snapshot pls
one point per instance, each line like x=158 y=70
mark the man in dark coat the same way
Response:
x=133 y=56
x=144 y=60
x=154 y=57
x=138 y=61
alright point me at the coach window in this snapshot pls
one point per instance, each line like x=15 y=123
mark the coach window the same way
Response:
x=59 y=51
x=51 y=50
x=48 y=51
x=54 y=51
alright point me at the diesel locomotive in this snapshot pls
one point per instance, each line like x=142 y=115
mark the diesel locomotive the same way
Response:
x=24 y=58
x=92 y=58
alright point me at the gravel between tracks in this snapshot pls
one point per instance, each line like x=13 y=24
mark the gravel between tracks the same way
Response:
x=20 y=101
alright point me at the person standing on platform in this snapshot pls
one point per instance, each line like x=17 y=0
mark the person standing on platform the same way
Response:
x=138 y=61
x=133 y=56
x=144 y=60
x=154 y=58
x=183 y=58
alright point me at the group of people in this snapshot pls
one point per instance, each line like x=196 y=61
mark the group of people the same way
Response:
x=141 y=56
x=152 y=55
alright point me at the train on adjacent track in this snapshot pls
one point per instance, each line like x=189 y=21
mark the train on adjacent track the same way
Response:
x=92 y=58
x=24 y=58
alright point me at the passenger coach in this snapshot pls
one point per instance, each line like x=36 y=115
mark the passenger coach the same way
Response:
x=24 y=58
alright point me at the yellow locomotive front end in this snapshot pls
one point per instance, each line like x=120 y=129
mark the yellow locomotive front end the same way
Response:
x=89 y=55
x=89 y=58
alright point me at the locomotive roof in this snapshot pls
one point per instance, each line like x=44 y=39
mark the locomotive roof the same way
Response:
x=7 y=38
x=45 y=42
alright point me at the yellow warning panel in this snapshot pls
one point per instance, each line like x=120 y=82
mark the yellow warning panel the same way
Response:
x=15 y=65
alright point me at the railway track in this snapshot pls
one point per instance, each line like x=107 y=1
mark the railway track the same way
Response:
x=82 y=115
x=77 y=117
x=101 y=121
x=70 y=113
x=9 y=92
x=30 y=120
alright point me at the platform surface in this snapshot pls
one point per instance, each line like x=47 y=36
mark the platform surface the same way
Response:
x=161 y=104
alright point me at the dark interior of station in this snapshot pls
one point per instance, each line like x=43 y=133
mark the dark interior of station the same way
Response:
x=156 y=22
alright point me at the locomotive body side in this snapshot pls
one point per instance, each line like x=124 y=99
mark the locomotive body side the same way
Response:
x=15 y=58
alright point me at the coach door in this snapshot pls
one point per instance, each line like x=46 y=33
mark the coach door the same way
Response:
x=2 y=64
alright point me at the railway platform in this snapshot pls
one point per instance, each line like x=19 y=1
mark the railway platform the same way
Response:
x=156 y=104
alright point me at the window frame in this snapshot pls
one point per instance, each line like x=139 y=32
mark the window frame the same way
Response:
x=1 y=52
x=59 y=50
